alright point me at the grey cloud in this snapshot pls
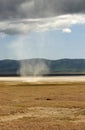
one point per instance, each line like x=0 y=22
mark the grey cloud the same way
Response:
x=10 y=9
x=23 y=16
x=24 y=26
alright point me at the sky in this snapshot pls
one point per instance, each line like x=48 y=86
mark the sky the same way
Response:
x=51 y=29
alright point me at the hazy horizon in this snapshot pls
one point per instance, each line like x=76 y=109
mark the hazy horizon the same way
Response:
x=47 y=59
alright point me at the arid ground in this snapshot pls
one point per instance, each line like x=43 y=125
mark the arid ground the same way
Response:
x=42 y=104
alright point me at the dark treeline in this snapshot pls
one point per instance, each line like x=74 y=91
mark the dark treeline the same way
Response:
x=42 y=67
x=17 y=75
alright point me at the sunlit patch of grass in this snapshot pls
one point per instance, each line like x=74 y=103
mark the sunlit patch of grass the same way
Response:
x=16 y=97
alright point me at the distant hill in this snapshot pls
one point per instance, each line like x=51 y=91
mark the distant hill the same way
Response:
x=42 y=67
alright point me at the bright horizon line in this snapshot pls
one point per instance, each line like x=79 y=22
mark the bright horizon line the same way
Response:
x=45 y=59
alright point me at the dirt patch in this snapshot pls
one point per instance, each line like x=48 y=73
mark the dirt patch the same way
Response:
x=70 y=114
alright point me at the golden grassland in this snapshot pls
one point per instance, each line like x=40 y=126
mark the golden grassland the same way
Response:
x=42 y=106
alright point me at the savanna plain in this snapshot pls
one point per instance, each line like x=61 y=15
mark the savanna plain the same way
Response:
x=42 y=105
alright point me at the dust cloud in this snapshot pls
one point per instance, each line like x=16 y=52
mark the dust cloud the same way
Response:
x=34 y=68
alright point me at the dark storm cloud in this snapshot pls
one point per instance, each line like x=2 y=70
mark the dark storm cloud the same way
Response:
x=23 y=16
x=39 y=8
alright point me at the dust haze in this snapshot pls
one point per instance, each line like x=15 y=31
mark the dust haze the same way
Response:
x=34 y=69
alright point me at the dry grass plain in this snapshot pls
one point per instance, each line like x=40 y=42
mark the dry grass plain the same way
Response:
x=42 y=106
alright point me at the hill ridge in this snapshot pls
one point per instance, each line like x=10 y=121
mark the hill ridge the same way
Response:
x=41 y=66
